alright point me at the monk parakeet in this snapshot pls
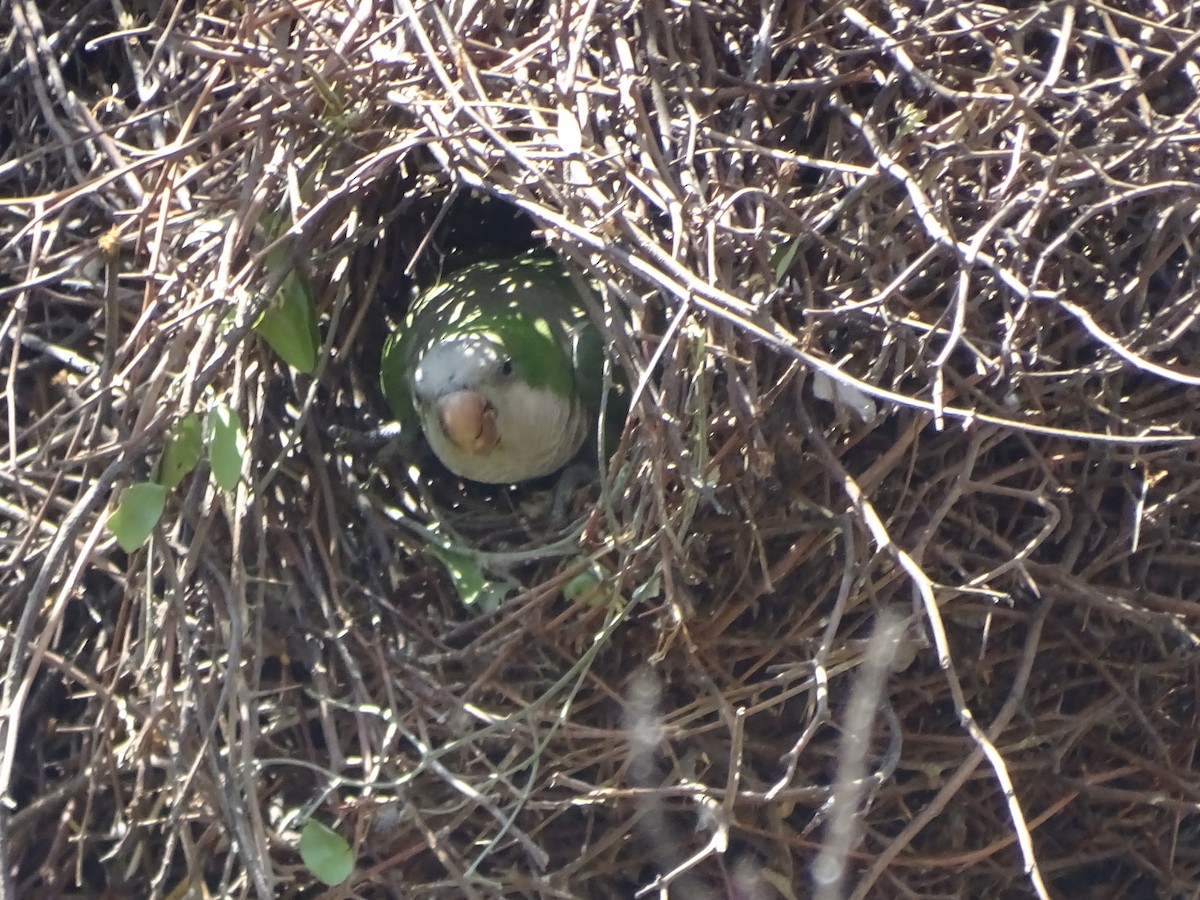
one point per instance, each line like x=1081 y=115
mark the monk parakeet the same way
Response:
x=501 y=368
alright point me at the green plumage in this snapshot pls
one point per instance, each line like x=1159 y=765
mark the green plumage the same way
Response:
x=516 y=334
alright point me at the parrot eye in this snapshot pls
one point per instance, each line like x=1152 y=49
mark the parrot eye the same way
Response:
x=506 y=368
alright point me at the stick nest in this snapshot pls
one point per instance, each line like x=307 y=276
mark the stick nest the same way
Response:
x=893 y=581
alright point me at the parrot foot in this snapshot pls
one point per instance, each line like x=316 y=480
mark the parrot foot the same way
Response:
x=390 y=440
x=570 y=479
x=364 y=440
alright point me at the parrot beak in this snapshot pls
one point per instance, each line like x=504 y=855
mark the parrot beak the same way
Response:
x=468 y=421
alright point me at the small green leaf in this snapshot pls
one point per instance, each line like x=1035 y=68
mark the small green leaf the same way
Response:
x=182 y=452
x=140 y=508
x=912 y=117
x=648 y=590
x=781 y=259
x=584 y=587
x=326 y=853
x=289 y=324
x=226 y=446
x=467 y=575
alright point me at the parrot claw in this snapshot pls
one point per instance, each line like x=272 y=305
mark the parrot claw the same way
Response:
x=570 y=479
x=390 y=440
x=355 y=439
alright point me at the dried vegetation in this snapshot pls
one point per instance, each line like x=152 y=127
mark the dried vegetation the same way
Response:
x=945 y=649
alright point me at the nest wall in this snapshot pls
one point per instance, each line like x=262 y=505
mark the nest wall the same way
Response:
x=896 y=565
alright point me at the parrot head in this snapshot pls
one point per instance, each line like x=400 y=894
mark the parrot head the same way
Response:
x=459 y=386
x=486 y=418
x=500 y=368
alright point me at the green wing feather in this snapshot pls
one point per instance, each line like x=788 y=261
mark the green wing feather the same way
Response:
x=393 y=378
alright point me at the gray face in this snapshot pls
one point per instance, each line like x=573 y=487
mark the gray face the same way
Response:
x=487 y=424
x=470 y=362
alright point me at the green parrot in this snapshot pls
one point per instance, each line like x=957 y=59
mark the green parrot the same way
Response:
x=501 y=368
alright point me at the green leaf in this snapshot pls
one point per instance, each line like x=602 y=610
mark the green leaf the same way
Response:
x=648 y=590
x=226 y=446
x=289 y=324
x=781 y=259
x=182 y=452
x=140 y=508
x=585 y=587
x=912 y=117
x=326 y=853
x=468 y=579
